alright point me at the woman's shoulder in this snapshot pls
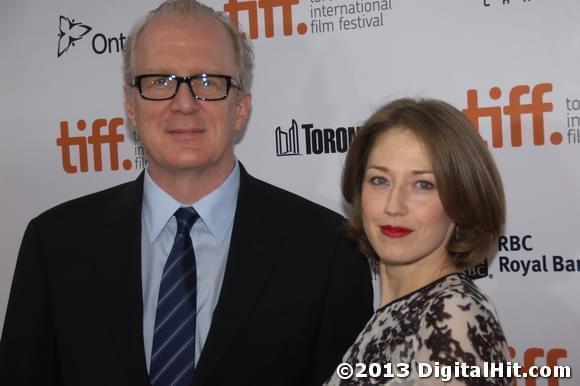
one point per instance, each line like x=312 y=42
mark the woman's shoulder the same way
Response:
x=455 y=292
x=457 y=296
x=451 y=299
x=461 y=319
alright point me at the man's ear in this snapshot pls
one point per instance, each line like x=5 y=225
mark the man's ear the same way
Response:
x=130 y=106
x=243 y=109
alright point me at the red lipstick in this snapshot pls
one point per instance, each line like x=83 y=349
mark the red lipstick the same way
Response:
x=395 y=232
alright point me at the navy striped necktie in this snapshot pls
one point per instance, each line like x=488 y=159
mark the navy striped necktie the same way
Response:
x=173 y=353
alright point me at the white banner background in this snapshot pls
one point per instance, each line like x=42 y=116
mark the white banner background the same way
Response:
x=328 y=79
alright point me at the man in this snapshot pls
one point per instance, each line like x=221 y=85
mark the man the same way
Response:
x=262 y=287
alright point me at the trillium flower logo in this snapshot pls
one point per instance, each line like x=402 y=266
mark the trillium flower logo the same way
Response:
x=69 y=32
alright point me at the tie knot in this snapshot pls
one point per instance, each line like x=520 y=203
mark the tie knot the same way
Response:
x=186 y=217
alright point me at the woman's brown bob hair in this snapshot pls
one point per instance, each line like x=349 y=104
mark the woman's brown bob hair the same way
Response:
x=467 y=178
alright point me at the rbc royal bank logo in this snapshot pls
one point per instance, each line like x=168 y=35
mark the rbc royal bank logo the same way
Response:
x=518 y=255
x=479 y=271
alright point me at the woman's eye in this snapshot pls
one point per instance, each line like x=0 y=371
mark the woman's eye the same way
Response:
x=425 y=185
x=378 y=180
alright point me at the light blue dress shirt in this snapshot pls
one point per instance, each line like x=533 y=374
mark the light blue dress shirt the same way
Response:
x=210 y=235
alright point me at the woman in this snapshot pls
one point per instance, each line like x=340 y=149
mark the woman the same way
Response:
x=427 y=203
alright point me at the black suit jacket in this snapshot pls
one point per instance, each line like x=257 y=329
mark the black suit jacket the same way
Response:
x=295 y=295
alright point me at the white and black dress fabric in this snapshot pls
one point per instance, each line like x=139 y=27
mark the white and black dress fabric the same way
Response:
x=446 y=322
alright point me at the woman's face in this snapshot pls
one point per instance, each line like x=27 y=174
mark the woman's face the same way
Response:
x=403 y=217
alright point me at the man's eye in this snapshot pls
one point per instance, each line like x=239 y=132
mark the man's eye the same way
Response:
x=207 y=83
x=160 y=82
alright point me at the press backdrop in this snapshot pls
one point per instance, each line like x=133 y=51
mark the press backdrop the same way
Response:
x=322 y=66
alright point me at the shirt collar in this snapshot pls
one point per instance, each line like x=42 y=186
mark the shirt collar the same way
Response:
x=216 y=209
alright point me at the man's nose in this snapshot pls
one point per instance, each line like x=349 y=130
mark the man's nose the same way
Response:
x=184 y=101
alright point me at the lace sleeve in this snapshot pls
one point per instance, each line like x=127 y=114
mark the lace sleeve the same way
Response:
x=460 y=331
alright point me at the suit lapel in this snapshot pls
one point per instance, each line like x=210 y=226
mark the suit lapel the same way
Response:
x=120 y=268
x=248 y=269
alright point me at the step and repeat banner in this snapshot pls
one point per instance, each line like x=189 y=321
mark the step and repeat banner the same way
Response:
x=322 y=66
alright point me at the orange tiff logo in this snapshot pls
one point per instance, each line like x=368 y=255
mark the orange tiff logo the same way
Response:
x=536 y=356
x=515 y=109
x=103 y=133
x=268 y=7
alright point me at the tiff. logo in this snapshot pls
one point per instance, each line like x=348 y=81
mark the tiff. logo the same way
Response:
x=268 y=7
x=95 y=141
x=534 y=356
x=515 y=109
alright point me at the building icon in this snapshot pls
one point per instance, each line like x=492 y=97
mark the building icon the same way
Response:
x=287 y=142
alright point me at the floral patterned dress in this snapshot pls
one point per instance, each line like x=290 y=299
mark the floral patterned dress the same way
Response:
x=448 y=322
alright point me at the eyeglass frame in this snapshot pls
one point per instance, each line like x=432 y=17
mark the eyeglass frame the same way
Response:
x=230 y=82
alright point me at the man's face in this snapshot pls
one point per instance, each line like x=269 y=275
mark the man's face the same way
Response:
x=184 y=134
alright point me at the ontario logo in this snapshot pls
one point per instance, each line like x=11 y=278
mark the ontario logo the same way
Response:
x=71 y=31
x=339 y=15
x=298 y=139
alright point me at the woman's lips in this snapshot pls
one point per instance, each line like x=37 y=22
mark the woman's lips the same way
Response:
x=395 y=232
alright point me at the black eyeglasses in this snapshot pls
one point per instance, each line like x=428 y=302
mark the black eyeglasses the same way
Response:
x=205 y=87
